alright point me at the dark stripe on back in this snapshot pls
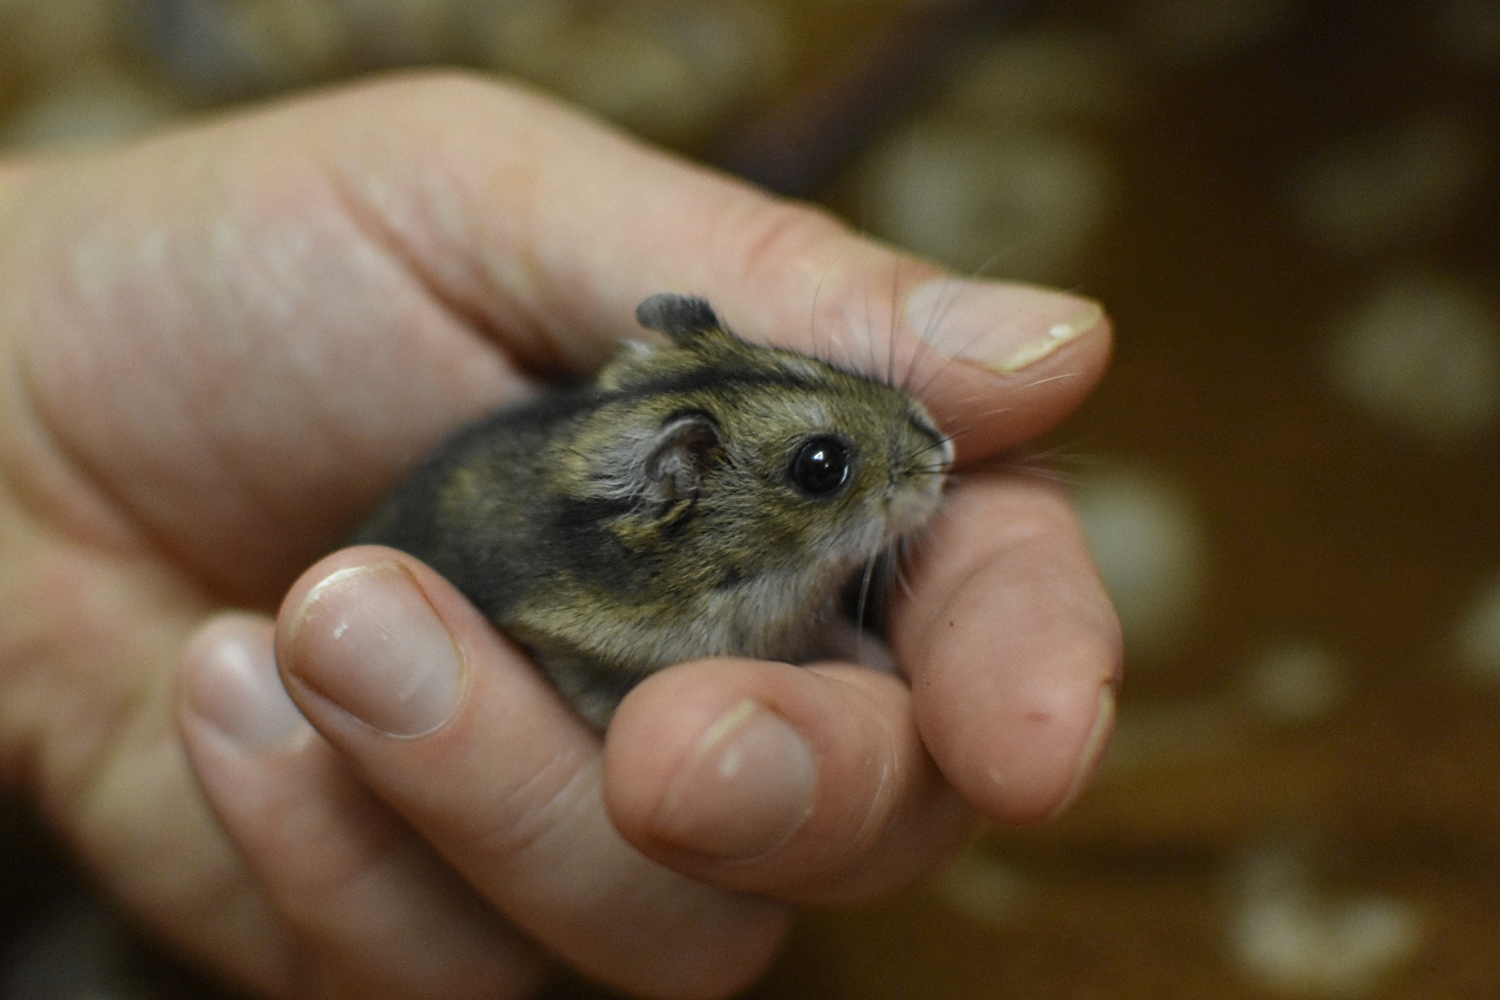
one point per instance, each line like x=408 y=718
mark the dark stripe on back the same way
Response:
x=712 y=378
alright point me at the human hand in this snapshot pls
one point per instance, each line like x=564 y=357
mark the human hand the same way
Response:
x=220 y=347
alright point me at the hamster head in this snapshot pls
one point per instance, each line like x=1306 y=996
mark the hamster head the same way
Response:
x=753 y=470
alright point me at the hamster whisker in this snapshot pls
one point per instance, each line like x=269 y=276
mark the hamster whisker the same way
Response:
x=861 y=604
x=927 y=336
x=893 y=565
x=871 y=360
x=890 y=325
x=1049 y=378
x=834 y=341
x=812 y=316
x=954 y=436
x=1045 y=473
x=1044 y=465
x=911 y=459
x=1034 y=466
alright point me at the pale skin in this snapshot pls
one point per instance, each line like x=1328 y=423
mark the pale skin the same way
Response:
x=219 y=347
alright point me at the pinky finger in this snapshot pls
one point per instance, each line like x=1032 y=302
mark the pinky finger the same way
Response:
x=368 y=908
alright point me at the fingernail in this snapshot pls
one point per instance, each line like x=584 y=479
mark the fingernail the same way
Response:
x=367 y=640
x=1003 y=327
x=750 y=783
x=1094 y=746
x=233 y=686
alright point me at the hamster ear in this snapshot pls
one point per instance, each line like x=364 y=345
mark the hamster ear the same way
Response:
x=683 y=449
x=683 y=318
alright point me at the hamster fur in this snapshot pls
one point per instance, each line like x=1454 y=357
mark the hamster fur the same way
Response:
x=700 y=497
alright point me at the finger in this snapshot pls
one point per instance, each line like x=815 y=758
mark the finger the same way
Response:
x=454 y=729
x=556 y=252
x=1012 y=647
x=369 y=909
x=808 y=784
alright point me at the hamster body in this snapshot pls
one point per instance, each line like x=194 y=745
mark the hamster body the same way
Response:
x=701 y=497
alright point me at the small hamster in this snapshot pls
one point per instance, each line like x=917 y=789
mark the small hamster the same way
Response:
x=702 y=496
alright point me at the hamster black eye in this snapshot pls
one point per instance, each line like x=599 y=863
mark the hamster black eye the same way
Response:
x=820 y=466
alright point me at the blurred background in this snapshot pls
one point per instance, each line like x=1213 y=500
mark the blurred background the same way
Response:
x=1291 y=478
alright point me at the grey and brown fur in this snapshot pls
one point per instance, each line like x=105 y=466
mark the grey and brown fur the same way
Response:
x=653 y=515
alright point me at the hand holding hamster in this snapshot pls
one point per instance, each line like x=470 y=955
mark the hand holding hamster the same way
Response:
x=704 y=497
x=224 y=345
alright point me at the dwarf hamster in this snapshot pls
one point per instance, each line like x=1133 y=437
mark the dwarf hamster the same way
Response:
x=702 y=496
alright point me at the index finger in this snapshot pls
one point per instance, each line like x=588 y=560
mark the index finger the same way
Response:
x=551 y=229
